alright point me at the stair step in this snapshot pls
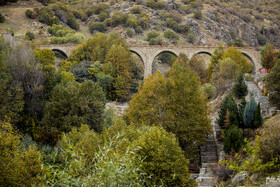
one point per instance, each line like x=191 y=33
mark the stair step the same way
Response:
x=209 y=159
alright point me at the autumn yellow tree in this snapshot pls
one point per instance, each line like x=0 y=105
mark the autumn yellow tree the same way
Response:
x=175 y=102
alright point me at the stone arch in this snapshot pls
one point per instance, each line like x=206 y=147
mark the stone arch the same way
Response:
x=203 y=52
x=251 y=60
x=137 y=53
x=163 y=65
x=59 y=53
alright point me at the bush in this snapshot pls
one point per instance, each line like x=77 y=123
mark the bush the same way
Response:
x=151 y=35
x=155 y=4
x=172 y=24
x=132 y=22
x=138 y=30
x=135 y=10
x=46 y=16
x=129 y=32
x=198 y=15
x=191 y=38
x=233 y=139
x=262 y=40
x=210 y=90
x=238 y=42
x=97 y=26
x=29 y=36
x=171 y=35
x=163 y=160
x=30 y=14
x=155 y=41
x=2 y=18
x=71 y=22
x=102 y=16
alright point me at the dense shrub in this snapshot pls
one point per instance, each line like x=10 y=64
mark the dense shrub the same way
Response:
x=61 y=35
x=210 y=90
x=138 y=30
x=136 y=10
x=71 y=22
x=198 y=15
x=172 y=24
x=191 y=38
x=151 y=35
x=155 y=41
x=173 y=37
x=46 y=16
x=262 y=40
x=155 y=4
x=2 y=18
x=129 y=32
x=30 y=14
x=103 y=15
x=97 y=26
x=29 y=36
x=164 y=161
x=233 y=139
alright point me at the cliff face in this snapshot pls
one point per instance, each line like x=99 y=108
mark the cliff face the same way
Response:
x=208 y=22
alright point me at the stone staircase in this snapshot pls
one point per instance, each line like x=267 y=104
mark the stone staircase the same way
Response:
x=209 y=160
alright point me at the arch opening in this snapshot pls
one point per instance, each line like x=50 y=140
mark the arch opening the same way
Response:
x=250 y=60
x=205 y=56
x=163 y=61
x=138 y=69
x=59 y=54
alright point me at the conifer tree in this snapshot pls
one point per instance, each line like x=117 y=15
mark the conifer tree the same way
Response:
x=249 y=113
x=230 y=105
x=240 y=88
x=233 y=139
x=258 y=117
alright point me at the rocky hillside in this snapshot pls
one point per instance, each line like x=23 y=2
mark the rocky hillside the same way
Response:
x=193 y=22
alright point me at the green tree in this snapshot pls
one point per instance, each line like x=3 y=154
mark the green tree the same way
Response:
x=233 y=139
x=269 y=56
x=228 y=106
x=249 y=113
x=81 y=103
x=225 y=74
x=214 y=60
x=176 y=103
x=273 y=85
x=258 y=121
x=240 y=88
x=238 y=58
x=163 y=160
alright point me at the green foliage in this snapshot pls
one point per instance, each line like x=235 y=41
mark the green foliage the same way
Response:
x=30 y=14
x=29 y=36
x=258 y=121
x=129 y=32
x=272 y=85
x=47 y=16
x=18 y=166
x=240 y=88
x=167 y=58
x=136 y=10
x=163 y=160
x=228 y=108
x=210 y=90
x=151 y=35
x=171 y=36
x=269 y=56
x=155 y=4
x=261 y=155
x=82 y=103
x=198 y=15
x=61 y=35
x=2 y=18
x=249 y=113
x=72 y=23
x=174 y=103
x=191 y=38
x=225 y=74
x=97 y=26
x=238 y=58
x=233 y=139
x=214 y=60
x=198 y=65
x=262 y=40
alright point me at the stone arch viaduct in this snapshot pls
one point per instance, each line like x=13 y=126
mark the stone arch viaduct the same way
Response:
x=148 y=53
